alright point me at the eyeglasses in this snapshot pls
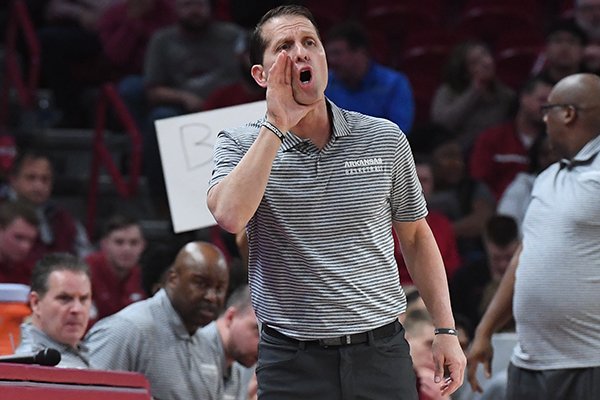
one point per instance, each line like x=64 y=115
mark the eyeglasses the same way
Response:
x=545 y=109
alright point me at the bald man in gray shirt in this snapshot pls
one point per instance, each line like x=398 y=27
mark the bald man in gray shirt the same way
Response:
x=552 y=286
x=160 y=337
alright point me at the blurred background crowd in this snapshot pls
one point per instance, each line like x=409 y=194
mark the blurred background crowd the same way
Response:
x=84 y=80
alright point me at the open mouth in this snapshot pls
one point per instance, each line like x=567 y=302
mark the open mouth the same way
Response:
x=305 y=76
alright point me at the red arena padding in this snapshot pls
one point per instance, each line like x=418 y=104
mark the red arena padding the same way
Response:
x=29 y=382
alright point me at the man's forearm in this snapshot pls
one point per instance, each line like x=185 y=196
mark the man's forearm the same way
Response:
x=235 y=199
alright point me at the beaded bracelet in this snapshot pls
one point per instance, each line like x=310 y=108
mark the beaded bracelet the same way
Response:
x=273 y=129
x=445 y=331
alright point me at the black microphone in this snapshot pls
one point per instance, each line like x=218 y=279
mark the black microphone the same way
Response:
x=48 y=357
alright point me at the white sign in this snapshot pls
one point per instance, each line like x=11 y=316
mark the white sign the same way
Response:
x=186 y=150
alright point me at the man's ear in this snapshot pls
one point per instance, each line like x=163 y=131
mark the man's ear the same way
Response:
x=34 y=301
x=172 y=276
x=258 y=73
x=228 y=315
x=569 y=114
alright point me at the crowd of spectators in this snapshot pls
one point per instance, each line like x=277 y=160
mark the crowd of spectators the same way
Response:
x=477 y=151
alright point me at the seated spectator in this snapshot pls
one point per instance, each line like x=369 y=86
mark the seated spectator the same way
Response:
x=419 y=335
x=31 y=180
x=501 y=152
x=243 y=91
x=116 y=273
x=468 y=203
x=473 y=286
x=159 y=337
x=71 y=54
x=587 y=17
x=358 y=83
x=61 y=298
x=184 y=63
x=440 y=225
x=125 y=28
x=18 y=232
x=231 y=348
x=516 y=197
x=565 y=43
x=471 y=97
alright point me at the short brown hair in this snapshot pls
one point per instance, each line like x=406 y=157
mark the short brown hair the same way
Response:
x=55 y=262
x=258 y=43
x=118 y=221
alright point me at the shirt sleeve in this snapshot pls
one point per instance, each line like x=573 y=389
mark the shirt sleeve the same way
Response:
x=407 y=199
x=227 y=154
x=116 y=344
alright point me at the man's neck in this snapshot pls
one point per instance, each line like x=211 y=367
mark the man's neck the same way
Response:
x=316 y=126
x=120 y=273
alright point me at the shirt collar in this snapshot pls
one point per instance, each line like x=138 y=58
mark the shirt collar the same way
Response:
x=585 y=156
x=339 y=123
x=172 y=316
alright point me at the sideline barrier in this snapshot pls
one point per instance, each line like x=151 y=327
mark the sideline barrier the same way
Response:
x=28 y=382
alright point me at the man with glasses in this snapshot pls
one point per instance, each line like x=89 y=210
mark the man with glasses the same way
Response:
x=551 y=286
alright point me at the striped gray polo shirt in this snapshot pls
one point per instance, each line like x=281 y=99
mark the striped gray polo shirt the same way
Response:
x=321 y=250
x=557 y=290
